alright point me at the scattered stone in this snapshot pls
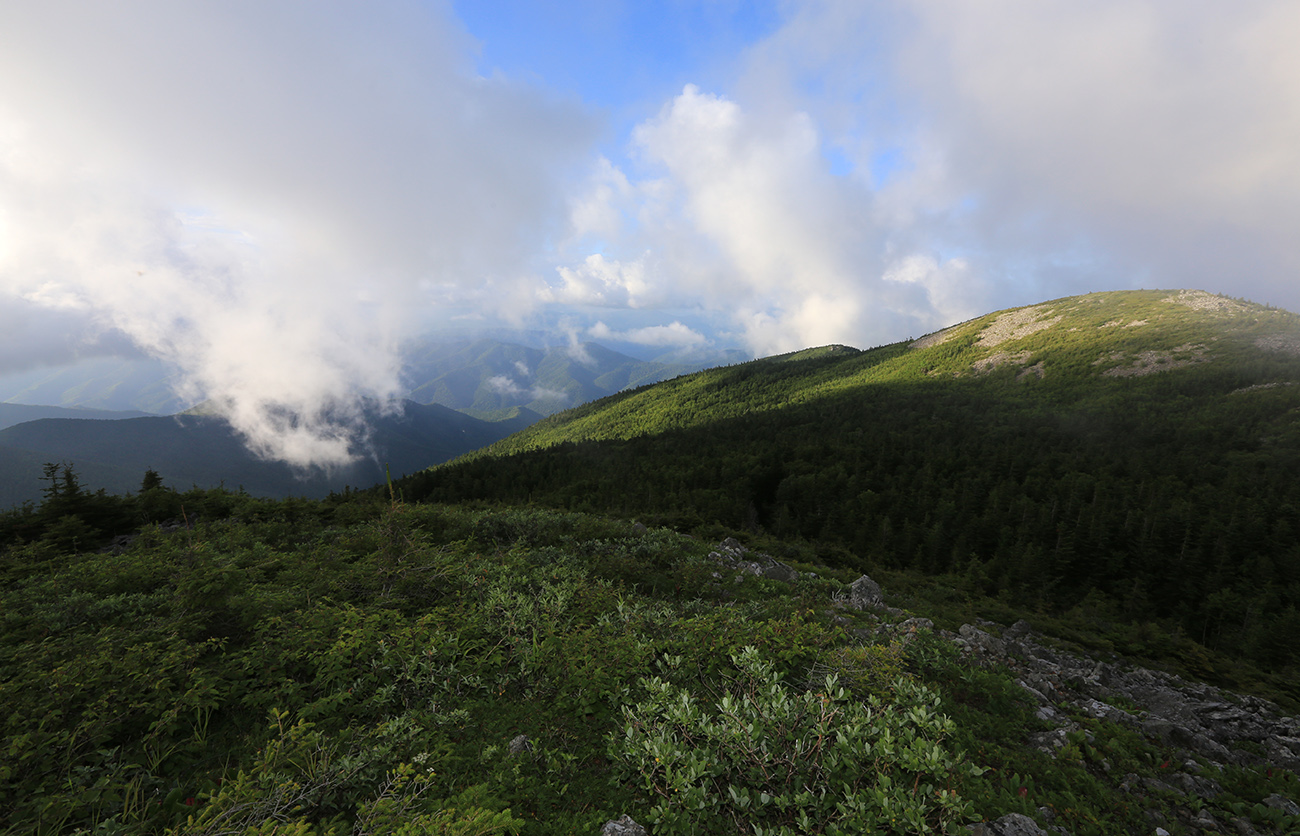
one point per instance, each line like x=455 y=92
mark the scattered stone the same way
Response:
x=1195 y=718
x=1195 y=785
x=735 y=557
x=1243 y=825
x=1012 y=824
x=1281 y=802
x=865 y=594
x=914 y=625
x=975 y=638
x=1016 y=325
x=1199 y=300
x=622 y=826
x=1205 y=821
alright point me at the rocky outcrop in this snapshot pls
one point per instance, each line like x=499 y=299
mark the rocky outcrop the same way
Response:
x=865 y=594
x=734 y=557
x=622 y=826
x=1012 y=824
x=1201 y=723
x=1197 y=718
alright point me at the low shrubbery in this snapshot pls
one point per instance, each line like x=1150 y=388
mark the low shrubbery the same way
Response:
x=770 y=759
x=317 y=668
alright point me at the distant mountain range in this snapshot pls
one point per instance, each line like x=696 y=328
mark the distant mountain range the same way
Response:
x=484 y=377
x=462 y=395
x=18 y=413
x=478 y=376
x=190 y=450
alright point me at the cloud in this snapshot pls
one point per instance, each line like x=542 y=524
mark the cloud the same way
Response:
x=599 y=282
x=674 y=334
x=1063 y=147
x=883 y=170
x=267 y=195
x=504 y=385
x=740 y=214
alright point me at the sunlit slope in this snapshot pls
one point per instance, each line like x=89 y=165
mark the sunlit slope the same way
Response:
x=1098 y=344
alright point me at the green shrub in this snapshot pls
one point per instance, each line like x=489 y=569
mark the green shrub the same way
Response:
x=773 y=760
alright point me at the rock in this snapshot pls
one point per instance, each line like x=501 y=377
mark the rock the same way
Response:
x=1243 y=825
x=915 y=625
x=1281 y=802
x=1194 y=785
x=978 y=640
x=1012 y=824
x=864 y=594
x=519 y=745
x=779 y=571
x=1205 y=821
x=622 y=826
x=1017 y=631
x=732 y=555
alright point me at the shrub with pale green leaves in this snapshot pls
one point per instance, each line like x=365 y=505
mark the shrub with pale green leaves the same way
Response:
x=767 y=758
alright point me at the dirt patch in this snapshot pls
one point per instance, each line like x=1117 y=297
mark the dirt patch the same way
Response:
x=1259 y=386
x=1199 y=300
x=1287 y=343
x=1037 y=370
x=1151 y=362
x=1016 y=325
x=937 y=338
x=1002 y=358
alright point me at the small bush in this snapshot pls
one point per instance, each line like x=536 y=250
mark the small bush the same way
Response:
x=772 y=760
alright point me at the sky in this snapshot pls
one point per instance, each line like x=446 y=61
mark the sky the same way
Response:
x=275 y=196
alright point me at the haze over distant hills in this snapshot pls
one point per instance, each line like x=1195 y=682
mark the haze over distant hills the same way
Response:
x=462 y=395
x=188 y=450
x=480 y=376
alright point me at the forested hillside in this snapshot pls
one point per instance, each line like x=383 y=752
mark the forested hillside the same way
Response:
x=1131 y=452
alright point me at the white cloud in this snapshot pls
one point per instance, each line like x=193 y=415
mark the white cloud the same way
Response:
x=267 y=194
x=746 y=219
x=674 y=334
x=998 y=154
x=1065 y=146
x=506 y=386
x=599 y=282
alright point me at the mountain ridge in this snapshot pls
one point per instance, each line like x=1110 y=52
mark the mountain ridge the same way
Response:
x=1136 y=446
x=974 y=349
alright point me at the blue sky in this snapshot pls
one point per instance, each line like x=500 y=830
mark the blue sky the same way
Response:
x=273 y=196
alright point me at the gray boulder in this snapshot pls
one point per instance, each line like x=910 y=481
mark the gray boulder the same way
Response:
x=865 y=594
x=1281 y=802
x=1012 y=824
x=622 y=826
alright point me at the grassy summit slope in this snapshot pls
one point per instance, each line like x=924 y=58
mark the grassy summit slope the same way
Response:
x=1132 y=452
x=1096 y=339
